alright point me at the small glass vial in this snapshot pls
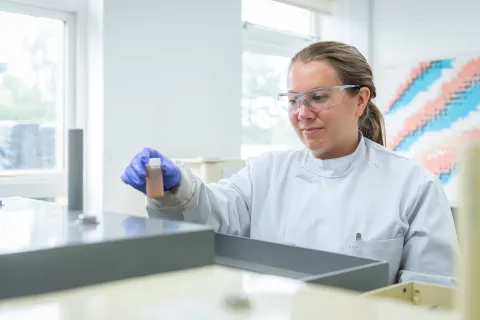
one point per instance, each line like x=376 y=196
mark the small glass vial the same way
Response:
x=154 y=178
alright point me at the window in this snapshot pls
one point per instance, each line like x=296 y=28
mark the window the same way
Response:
x=276 y=15
x=34 y=93
x=265 y=126
x=273 y=33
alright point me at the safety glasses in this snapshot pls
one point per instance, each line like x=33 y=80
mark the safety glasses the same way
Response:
x=316 y=99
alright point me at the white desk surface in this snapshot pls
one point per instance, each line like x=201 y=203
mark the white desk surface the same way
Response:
x=199 y=294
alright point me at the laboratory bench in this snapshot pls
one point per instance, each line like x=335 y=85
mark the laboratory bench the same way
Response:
x=65 y=264
x=211 y=292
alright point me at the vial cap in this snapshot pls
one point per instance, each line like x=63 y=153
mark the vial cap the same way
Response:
x=154 y=162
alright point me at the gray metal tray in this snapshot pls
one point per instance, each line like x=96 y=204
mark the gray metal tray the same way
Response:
x=44 y=248
x=314 y=266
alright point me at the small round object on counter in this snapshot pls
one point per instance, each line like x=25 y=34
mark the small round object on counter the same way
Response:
x=238 y=301
x=88 y=219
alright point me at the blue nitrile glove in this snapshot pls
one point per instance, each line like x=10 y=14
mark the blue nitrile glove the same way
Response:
x=135 y=174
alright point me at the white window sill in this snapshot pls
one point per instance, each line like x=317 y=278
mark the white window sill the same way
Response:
x=33 y=183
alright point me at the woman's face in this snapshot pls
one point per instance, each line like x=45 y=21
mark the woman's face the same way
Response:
x=333 y=131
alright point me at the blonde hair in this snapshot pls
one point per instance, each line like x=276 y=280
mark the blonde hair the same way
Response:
x=352 y=68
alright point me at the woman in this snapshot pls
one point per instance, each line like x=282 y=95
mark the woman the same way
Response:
x=345 y=192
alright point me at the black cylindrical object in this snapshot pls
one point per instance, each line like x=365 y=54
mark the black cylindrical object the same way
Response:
x=75 y=169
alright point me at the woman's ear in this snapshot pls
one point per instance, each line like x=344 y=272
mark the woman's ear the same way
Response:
x=362 y=101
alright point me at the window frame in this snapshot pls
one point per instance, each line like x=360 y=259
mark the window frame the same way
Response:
x=260 y=39
x=48 y=183
x=269 y=41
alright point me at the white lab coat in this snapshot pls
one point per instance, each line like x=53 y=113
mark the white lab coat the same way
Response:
x=397 y=206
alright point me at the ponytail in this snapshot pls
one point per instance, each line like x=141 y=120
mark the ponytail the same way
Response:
x=371 y=124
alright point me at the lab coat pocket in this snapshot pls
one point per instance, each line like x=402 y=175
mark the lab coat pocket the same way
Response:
x=389 y=250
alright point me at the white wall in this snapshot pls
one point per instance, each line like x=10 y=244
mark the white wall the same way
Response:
x=349 y=23
x=171 y=74
x=389 y=32
x=411 y=30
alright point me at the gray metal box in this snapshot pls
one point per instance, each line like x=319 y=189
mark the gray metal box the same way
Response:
x=314 y=266
x=44 y=248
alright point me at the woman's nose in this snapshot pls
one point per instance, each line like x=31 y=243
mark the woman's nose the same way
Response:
x=304 y=111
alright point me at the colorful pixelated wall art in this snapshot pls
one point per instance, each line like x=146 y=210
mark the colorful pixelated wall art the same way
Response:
x=429 y=108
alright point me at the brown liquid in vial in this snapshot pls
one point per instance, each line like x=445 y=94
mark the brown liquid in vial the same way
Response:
x=154 y=182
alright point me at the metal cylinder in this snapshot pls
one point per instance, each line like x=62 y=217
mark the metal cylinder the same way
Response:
x=75 y=169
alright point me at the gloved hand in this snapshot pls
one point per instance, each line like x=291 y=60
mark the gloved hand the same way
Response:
x=135 y=174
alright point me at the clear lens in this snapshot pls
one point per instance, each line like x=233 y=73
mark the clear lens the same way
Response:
x=316 y=100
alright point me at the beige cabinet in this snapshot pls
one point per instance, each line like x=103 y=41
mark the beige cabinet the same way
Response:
x=415 y=293
x=213 y=169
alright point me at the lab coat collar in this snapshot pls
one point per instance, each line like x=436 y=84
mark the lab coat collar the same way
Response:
x=335 y=168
